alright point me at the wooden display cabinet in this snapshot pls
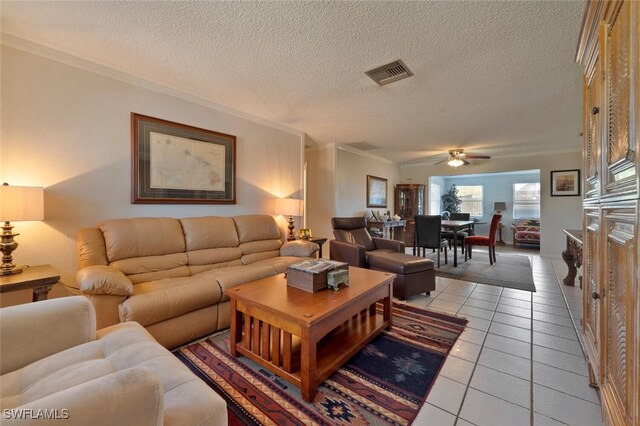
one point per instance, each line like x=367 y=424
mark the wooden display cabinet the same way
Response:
x=409 y=201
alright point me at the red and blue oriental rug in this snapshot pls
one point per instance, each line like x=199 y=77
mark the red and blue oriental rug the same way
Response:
x=384 y=383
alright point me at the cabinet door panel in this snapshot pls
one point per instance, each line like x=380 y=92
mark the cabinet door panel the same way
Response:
x=592 y=282
x=593 y=113
x=619 y=319
x=619 y=150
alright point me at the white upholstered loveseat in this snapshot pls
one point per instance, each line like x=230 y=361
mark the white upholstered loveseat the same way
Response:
x=54 y=365
x=169 y=275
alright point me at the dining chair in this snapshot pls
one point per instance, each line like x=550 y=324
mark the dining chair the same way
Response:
x=428 y=233
x=484 y=240
x=461 y=235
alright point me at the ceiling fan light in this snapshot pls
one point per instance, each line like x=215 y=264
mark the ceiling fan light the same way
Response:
x=455 y=162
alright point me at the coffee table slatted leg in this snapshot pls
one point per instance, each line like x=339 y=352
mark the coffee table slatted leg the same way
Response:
x=255 y=337
x=308 y=365
x=236 y=328
x=246 y=332
x=286 y=351
x=265 y=337
x=275 y=344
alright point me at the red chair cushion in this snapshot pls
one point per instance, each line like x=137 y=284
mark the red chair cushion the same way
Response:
x=477 y=240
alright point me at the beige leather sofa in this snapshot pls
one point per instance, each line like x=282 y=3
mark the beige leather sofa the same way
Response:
x=169 y=275
x=54 y=364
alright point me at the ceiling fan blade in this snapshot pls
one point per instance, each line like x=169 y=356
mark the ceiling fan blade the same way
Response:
x=477 y=156
x=465 y=163
x=441 y=161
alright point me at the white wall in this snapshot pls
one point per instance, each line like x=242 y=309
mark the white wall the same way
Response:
x=351 y=182
x=557 y=212
x=69 y=130
x=321 y=167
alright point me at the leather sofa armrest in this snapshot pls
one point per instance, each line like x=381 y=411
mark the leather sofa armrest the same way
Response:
x=132 y=396
x=353 y=254
x=34 y=331
x=299 y=248
x=102 y=279
x=383 y=243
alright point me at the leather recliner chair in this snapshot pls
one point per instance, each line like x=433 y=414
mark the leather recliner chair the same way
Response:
x=355 y=246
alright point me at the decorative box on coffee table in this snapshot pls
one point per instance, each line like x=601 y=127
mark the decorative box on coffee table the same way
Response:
x=312 y=275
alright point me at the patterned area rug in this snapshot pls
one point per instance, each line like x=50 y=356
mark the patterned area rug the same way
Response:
x=384 y=383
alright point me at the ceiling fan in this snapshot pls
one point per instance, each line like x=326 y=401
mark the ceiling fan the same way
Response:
x=457 y=157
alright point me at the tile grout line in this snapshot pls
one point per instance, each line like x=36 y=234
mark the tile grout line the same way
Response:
x=475 y=365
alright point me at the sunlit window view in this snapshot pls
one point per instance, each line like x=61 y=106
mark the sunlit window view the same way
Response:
x=526 y=200
x=471 y=197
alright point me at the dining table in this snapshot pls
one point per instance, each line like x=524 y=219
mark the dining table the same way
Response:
x=455 y=226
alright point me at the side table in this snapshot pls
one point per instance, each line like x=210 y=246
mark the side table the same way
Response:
x=320 y=242
x=500 y=240
x=39 y=278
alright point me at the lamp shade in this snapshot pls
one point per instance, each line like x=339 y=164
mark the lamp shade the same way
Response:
x=288 y=207
x=499 y=206
x=21 y=203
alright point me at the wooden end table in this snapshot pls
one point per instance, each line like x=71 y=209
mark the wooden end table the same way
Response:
x=320 y=242
x=39 y=278
x=304 y=337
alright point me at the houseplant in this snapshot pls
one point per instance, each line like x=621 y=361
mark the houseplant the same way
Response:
x=451 y=201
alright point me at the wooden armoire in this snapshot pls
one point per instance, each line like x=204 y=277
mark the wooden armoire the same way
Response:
x=409 y=201
x=609 y=50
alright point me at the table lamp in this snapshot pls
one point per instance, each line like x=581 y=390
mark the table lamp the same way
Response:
x=499 y=206
x=289 y=207
x=17 y=203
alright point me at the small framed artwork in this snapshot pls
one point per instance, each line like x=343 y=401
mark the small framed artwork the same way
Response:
x=565 y=183
x=376 y=191
x=305 y=234
x=174 y=163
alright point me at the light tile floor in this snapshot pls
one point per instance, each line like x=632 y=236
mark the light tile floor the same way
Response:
x=519 y=361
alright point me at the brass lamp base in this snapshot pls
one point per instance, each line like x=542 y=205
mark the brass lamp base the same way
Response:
x=291 y=227
x=7 y=246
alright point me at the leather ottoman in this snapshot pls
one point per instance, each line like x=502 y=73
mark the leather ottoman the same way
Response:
x=415 y=275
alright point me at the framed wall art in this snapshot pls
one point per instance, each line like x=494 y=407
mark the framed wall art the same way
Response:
x=175 y=163
x=376 y=191
x=565 y=183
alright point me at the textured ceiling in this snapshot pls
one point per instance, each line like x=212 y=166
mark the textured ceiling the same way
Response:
x=496 y=78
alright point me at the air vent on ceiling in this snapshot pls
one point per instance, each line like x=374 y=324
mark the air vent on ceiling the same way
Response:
x=362 y=146
x=389 y=73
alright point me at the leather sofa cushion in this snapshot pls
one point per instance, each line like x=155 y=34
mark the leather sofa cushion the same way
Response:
x=209 y=232
x=399 y=263
x=167 y=298
x=256 y=227
x=212 y=256
x=90 y=248
x=280 y=263
x=140 y=237
x=257 y=250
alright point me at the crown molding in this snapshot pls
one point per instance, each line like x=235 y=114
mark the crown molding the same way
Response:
x=69 y=59
x=366 y=154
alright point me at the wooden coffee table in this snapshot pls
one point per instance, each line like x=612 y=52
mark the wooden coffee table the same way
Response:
x=304 y=337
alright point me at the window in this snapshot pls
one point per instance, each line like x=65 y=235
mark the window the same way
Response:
x=526 y=200
x=434 y=199
x=471 y=197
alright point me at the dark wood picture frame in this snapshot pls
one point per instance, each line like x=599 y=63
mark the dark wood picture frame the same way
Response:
x=376 y=195
x=565 y=183
x=173 y=163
